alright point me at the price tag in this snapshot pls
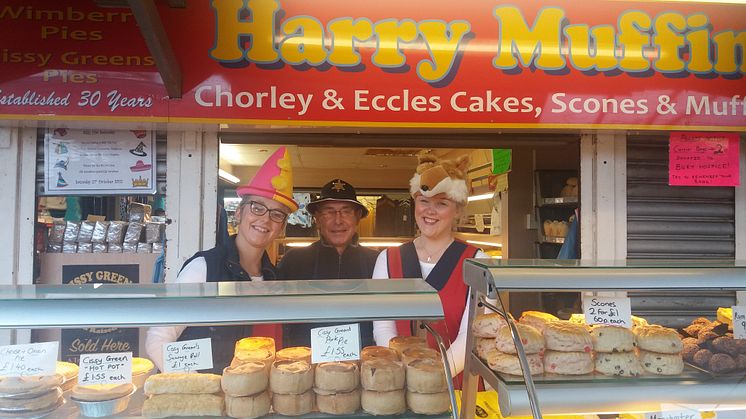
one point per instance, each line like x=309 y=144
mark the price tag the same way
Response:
x=674 y=414
x=610 y=311
x=739 y=322
x=29 y=359
x=335 y=343
x=111 y=368
x=188 y=355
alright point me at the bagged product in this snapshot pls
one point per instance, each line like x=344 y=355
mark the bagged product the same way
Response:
x=115 y=233
x=57 y=232
x=114 y=248
x=85 y=248
x=99 y=247
x=144 y=248
x=99 y=232
x=134 y=232
x=72 y=229
x=69 y=248
x=86 y=231
x=139 y=213
x=129 y=248
x=54 y=248
x=157 y=247
x=154 y=232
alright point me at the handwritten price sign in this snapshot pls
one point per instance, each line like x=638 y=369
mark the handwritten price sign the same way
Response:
x=703 y=159
x=335 y=343
x=112 y=368
x=739 y=322
x=610 y=311
x=31 y=359
x=188 y=355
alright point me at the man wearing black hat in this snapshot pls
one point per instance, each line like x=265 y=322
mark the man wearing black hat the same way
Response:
x=336 y=255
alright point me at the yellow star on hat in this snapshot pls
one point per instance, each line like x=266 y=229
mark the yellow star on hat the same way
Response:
x=338 y=185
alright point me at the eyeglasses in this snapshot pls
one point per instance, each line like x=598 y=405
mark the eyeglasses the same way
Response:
x=346 y=212
x=259 y=209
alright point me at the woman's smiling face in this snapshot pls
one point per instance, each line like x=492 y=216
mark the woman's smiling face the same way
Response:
x=435 y=215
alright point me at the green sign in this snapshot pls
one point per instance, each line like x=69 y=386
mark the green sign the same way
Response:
x=501 y=160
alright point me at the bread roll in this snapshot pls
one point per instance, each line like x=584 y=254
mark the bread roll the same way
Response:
x=532 y=340
x=248 y=406
x=382 y=375
x=537 y=319
x=245 y=379
x=612 y=339
x=291 y=377
x=338 y=403
x=182 y=383
x=294 y=353
x=101 y=392
x=413 y=354
x=658 y=339
x=378 y=352
x=428 y=403
x=165 y=405
x=384 y=402
x=426 y=376
x=487 y=325
x=400 y=343
x=337 y=376
x=293 y=404
x=253 y=343
x=564 y=336
x=568 y=363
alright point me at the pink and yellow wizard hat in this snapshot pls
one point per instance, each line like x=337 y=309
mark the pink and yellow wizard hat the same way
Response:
x=274 y=180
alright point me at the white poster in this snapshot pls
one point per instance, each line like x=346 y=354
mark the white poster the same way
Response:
x=99 y=162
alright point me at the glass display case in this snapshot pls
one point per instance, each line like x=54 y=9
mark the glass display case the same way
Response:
x=206 y=304
x=694 y=389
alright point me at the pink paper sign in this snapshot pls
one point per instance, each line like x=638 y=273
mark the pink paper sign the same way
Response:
x=703 y=159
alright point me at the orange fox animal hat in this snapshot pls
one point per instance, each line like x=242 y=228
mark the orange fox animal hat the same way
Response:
x=434 y=176
x=274 y=180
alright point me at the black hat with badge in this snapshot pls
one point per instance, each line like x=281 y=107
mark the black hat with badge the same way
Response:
x=337 y=190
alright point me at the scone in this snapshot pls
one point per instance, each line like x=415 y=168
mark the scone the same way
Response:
x=337 y=376
x=426 y=376
x=294 y=353
x=384 y=402
x=487 y=325
x=537 y=319
x=248 y=406
x=378 y=352
x=612 y=339
x=382 y=375
x=564 y=336
x=532 y=340
x=291 y=377
x=624 y=364
x=484 y=346
x=661 y=364
x=245 y=379
x=428 y=403
x=658 y=339
x=400 y=343
x=345 y=403
x=293 y=404
x=509 y=364
x=568 y=363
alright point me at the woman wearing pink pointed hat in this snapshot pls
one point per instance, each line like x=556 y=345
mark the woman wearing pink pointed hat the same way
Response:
x=266 y=202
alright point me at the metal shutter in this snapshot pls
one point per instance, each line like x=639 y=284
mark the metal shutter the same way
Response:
x=674 y=222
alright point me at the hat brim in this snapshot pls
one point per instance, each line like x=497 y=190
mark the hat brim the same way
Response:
x=311 y=206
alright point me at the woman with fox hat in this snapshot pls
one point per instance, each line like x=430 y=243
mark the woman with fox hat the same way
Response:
x=266 y=202
x=440 y=195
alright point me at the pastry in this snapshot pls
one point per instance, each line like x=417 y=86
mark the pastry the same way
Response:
x=254 y=343
x=702 y=357
x=41 y=401
x=532 y=340
x=294 y=353
x=509 y=364
x=69 y=373
x=428 y=403
x=426 y=376
x=182 y=383
x=293 y=404
x=661 y=364
x=264 y=356
x=383 y=402
x=639 y=321
x=726 y=345
x=568 y=363
x=245 y=379
x=567 y=337
x=537 y=319
x=291 y=377
x=382 y=375
x=487 y=325
x=400 y=343
x=658 y=339
x=612 y=339
x=690 y=349
x=483 y=347
x=36 y=383
x=141 y=366
x=413 y=354
x=376 y=352
x=345 y=403
x=578 y=318
x=624 y=364
x=741 y=361
x=337 y=376
x=101 y=392
x=248 y=406
x=165 y=405
x=722 y=363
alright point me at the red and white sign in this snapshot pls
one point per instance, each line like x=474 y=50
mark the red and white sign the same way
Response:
x=435 y=63
x=703 y=159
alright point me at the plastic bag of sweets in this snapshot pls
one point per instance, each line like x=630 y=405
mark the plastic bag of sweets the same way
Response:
x=72 y=229
x=54 y=248
x=99 y=232
x=115 y=233
x=86 y=231
x=99 y=247
x=69 y=248
x=57 y=232
x=144 y=248
x=134 y=233
x=154 y=232
x=114 y=248
x=139 y=213
x=85 y=247
x=129 y=248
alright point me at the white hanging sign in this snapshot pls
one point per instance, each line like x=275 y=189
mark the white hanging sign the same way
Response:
x=29 y=359
x=188 y=355
x=335 y=343
x=610 y=311
x=108 y=368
